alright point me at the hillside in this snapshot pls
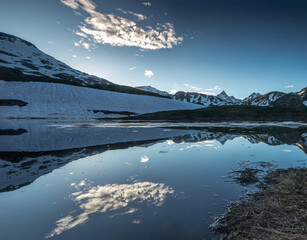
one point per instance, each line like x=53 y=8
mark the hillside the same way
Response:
x=229 y=113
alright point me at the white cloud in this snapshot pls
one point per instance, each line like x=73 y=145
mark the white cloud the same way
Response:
x=213 y=89
x=86 y=45
x=147 y=4
x=80 y=34
x=144 y=159
x=192 y=87
x=71 y=3
x=76 y=44
x=132 y=68
x=148 y=73
x=88 y=57
x=74 y=56
x=119 y=31
x=139 y=16
x=289 y=86
x=51 y=42
x=188 y=88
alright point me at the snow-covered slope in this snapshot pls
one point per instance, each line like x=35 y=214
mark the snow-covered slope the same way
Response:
x=230 y=100
x=52 y=100
x=251 y=97
x=154 y=90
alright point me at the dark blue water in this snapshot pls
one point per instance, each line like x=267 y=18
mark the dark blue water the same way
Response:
x=161 y=184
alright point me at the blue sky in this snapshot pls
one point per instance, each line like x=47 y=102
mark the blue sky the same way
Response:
x=207 y=46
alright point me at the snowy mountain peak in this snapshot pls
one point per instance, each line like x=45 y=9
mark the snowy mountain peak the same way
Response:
x=252 y=96
x=223 y=95
x=14 y=39
x=22 y=61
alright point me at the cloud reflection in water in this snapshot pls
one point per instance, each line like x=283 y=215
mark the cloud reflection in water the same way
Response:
x=108 y=198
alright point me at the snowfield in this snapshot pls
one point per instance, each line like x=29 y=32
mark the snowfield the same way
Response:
x=52 y=100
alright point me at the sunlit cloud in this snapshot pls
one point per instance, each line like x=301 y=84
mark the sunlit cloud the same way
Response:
x=139 y=16
x=289 y=86
x=74 y=56
x=88 y=57
x=148 y=73
x=80 y=34
x=192 y=87
x=132 y=68
x=71 y=3
x=147 y=4
x=51 y=42
x=119 y=31
x=110 y=198
x=86 y=45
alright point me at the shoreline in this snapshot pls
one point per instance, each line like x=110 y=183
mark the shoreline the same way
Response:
x=277 y=211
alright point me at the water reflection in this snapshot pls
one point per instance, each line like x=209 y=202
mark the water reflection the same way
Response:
x=109 y=198
x=40 y=149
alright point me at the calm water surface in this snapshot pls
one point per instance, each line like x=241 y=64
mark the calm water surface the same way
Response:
x=88 y=181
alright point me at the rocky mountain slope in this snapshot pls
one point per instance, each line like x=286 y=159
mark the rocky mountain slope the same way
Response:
x=266 y=99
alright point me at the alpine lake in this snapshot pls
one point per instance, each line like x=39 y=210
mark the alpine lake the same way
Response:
x=133 y=180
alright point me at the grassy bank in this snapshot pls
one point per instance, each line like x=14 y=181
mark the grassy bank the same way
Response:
x=277 y=211
x=228 y=113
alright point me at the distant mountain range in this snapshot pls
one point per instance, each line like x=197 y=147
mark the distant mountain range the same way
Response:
x=34 y=84
x=296 y=100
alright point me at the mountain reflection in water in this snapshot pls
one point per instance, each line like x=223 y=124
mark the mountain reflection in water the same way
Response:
x=39 y=149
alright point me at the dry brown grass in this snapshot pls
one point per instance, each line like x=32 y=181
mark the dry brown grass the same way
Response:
x=277 y=211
